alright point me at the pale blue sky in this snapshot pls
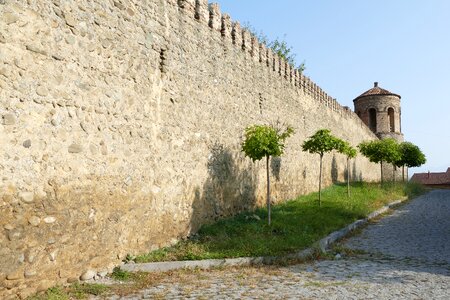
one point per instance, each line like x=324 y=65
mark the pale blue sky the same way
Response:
x=349 y=44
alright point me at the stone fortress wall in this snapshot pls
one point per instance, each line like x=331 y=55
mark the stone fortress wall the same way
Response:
x=121 y=124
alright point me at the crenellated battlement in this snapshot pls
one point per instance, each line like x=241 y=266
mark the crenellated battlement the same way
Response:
x=231 y=31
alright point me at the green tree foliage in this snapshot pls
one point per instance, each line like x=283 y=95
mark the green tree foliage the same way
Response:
x=265 y=141
x=411 y=156
x=350 y=152
x=320 y=143
x=278 y=46
x=281 y=47
x=379 y=151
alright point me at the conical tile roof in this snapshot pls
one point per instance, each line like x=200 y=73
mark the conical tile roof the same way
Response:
x=376 y=90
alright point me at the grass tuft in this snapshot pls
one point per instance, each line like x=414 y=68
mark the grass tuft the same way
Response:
x=53 y=293
x=119 y=274
x=75 y=291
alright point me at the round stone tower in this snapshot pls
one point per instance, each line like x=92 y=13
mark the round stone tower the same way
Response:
x=380 y=110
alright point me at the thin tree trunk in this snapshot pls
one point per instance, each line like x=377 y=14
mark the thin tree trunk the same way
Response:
x=394 y=168
x=268 y=188
x=348 y=177
x=403 y=173
x=320 y=181
x=381 y=163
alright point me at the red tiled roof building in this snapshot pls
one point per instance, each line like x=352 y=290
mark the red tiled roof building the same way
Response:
x=440 y=179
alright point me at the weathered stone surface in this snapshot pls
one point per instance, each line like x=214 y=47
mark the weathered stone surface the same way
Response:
x=18 y=274
x=36 y=49
x=31 y=256
x=27 y=143
x=26 y=292
x=55 y=121
x=72 y=279
x=52 y=255
x=49 y=220
x=10 y=18
x=70 y=20
x=41 y=91
x=34 y=221
x=9 y=119
x=8 y=227
x=75 y=148
x=102 y=273
x=87 y=275
x=30 y=273
x=26 y=197
x=44 y=285
x=14 y=234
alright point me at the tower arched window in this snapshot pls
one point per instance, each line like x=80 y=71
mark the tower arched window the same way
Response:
x=391 y=119
x=373 y=119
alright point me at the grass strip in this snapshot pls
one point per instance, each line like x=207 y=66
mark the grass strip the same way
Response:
x=296 y=224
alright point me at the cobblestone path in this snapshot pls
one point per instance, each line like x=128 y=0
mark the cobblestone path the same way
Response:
x=407 y=257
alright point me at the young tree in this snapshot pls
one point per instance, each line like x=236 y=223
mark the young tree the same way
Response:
x=379 y=151
x=265 y=141
x=411 y=156
x=345 y=148
x=278 y=46
x=321 y=142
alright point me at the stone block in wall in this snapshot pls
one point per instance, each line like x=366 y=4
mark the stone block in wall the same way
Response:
x=255 y=48
x=215 y=17
x=282 y=66
x=288 y=71
x=226 y=27
x=269 y=58
x=301 y=81
x=174 y=3
x=316 y=91
x=8 y=119
x=263 y=54
x=202 y=11
x=276 y=63
x=296 y=78
x=246 y=41
x=310 y=85
x=236 y=34
x=188 y=6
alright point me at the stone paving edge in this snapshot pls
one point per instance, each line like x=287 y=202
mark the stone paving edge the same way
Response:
x=305 y=254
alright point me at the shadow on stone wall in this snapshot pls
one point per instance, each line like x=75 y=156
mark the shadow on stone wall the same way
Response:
x=355 y=175
x=334 y=170
x=275 y=165
x=346 y=170
x=230 y=188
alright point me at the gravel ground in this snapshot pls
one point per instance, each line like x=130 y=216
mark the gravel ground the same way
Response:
x=407 y=257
